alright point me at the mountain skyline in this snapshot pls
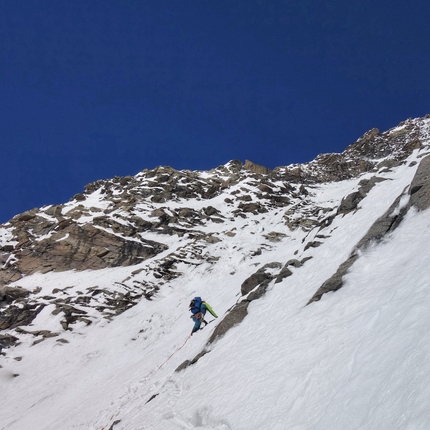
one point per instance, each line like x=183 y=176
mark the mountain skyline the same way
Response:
x=91 y=90
x=319 y=274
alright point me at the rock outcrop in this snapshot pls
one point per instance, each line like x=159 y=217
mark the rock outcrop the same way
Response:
x=126 y=221
x=418 y=196
x=69 y=245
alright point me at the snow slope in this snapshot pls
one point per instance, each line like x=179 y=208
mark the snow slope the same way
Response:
x=356 y=359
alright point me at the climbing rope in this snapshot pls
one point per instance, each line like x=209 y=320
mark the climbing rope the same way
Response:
x=174 y=352
x=158 y=368
x=110 y=419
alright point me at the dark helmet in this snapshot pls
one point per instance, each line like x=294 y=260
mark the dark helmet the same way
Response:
x=192 y=303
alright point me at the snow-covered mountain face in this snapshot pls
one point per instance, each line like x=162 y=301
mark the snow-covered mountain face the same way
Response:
x=318 y=272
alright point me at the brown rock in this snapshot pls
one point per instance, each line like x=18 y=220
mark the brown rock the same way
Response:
x=256 y=168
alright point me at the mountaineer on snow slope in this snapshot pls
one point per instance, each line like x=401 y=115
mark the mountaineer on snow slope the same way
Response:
x=198 y=308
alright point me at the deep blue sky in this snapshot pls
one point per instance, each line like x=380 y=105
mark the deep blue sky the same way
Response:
x=90 y=89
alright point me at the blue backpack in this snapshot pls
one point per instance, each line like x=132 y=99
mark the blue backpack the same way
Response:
x=196 y=305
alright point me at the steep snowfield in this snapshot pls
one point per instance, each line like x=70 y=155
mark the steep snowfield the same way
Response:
x=356 y=359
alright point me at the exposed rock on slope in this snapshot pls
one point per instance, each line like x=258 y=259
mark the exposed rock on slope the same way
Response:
x=417 y=195
x=170 y=219
x=372 y=151
x=46 y=244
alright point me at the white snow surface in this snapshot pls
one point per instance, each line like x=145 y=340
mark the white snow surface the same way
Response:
x=357 y=359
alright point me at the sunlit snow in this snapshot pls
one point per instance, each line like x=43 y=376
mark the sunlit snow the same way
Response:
x=357 y=359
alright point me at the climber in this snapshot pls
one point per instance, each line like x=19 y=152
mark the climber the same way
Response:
x=198 y=308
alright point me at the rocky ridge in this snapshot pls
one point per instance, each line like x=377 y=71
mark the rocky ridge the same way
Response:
x=162 y=219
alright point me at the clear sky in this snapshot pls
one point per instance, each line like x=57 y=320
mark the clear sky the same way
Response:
x=91 y=89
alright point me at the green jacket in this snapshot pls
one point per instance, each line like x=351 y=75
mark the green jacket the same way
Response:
x=208 y=307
